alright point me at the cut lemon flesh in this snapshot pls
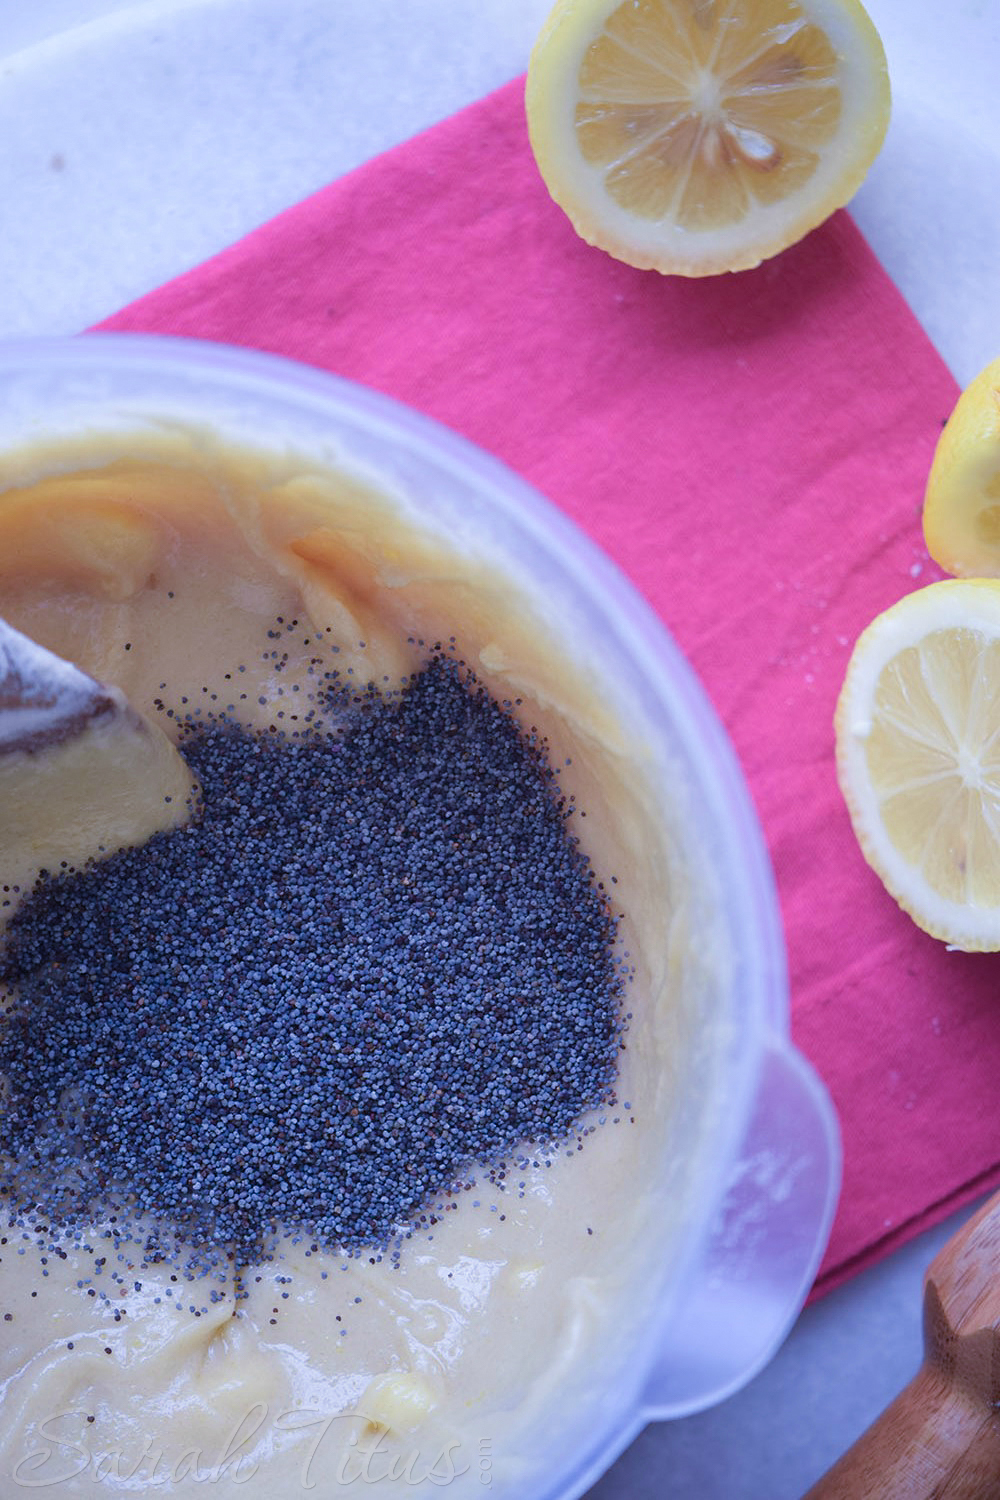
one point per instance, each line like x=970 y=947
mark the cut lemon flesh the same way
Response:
x=918 y=757
x=699 y=136
x=962 y=502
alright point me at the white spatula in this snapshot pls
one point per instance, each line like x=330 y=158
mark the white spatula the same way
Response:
x=82 y=774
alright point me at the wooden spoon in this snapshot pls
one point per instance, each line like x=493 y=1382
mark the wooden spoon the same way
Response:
x=81 y=772
x=941 y=1435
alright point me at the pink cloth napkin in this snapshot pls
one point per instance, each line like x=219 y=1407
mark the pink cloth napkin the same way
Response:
x=752 y=451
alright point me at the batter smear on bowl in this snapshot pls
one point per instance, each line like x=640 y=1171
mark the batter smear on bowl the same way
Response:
x=373 y=959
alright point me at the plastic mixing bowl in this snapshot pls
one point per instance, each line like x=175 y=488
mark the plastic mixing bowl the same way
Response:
x=746 y=1182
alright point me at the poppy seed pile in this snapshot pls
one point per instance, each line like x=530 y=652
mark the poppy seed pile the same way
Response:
x=375 y=958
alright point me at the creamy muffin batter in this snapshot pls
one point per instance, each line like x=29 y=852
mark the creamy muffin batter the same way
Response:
x=158 y=564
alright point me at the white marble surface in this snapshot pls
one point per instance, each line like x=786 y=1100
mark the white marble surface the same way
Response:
x=136 y=139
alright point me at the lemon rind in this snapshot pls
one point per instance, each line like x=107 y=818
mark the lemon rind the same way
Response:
x=967 y=457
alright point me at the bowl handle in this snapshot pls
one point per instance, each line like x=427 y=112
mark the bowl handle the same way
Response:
x=764 y=1248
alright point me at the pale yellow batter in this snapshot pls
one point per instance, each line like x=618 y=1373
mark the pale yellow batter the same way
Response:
x=485 y=1361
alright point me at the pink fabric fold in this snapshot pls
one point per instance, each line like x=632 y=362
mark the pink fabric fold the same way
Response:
x=752 y=450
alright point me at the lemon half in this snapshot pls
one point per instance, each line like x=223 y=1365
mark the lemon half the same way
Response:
x=962 y=501
x=699 y=136
x=918 y=757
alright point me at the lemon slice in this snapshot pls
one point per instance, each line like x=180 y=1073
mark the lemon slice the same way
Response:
x=962 y=502
x=698 y=136
x=918 y=757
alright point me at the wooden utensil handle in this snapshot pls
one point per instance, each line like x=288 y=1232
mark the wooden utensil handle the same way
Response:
x=938 y=1438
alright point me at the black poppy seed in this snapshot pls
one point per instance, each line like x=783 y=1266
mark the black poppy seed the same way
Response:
x=374 y=958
